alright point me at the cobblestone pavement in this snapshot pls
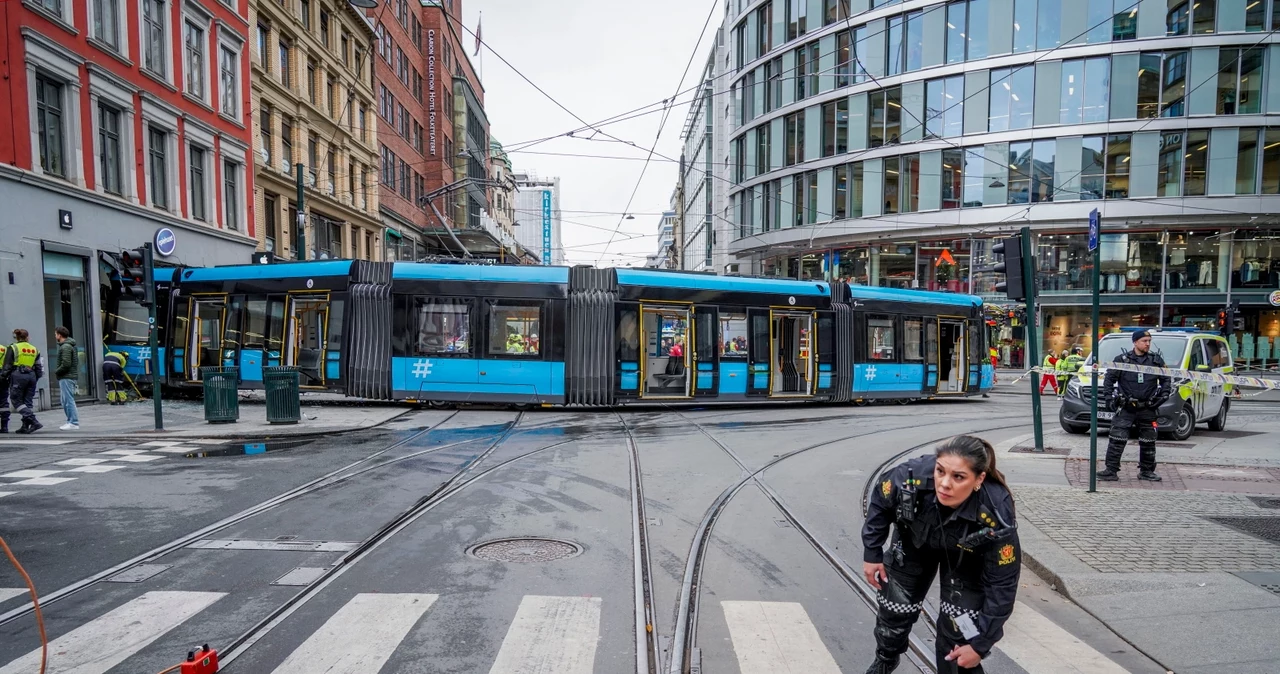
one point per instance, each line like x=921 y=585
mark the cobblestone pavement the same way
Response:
x=1183 y=477
x=1121 y=531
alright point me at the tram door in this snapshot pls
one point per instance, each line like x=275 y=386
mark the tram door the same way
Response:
x=953 y=361
x=306 y=336
x=666 y=365
x=204 y=336
x=794 y=360
x=706 y=352
x=759 y=350
x=930 y=356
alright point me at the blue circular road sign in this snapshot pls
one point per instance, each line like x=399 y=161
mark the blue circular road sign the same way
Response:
x=166 y=241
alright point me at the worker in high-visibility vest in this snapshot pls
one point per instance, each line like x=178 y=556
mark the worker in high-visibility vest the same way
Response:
x=113 y=375
x=25 y=371
x=1047 y=371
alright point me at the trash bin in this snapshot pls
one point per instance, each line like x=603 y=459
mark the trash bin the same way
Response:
x=221 y=397
x=283 y=401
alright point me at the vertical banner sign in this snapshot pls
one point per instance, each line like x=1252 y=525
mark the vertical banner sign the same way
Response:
x=546 y=227
x=431 y=91
x=1094 y=223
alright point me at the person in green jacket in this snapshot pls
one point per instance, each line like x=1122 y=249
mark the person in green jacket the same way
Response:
x=67 y=371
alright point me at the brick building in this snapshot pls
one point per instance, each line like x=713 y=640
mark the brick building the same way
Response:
x=312 y=91
x=125 y=120
x=433 y=132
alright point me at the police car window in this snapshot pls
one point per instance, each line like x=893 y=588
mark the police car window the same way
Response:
x=1171 y=348
x=1218 y=353
x=1197 y=355
x=514 y=330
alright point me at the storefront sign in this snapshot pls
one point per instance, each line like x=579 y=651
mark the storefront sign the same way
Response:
x=431 y=91
x=546 y=227
x=1275 y=299
x=165 y=241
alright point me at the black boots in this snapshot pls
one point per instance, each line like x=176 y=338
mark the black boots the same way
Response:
x=1149 y=476
x=1108 y=475
x=883 y=665
x=30 y=426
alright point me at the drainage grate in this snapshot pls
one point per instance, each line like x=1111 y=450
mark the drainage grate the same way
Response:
x=1270 y=503
x=525 y=550
x=1266 y=528
x=1267 y=580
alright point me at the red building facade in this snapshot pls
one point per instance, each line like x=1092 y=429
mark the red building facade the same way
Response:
x=126 y=118
x=420 y=70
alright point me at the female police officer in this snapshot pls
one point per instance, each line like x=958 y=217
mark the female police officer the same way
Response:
x=953 y=512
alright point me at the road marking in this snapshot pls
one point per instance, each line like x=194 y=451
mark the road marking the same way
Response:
x=42 y=481
x=177 y=449
x=161 y=443
x=291 y=546
x=95 y=469
x=110 y=639
x=7 y=493
x=551 y=634
x=138 y=458
x=32 y=473
x=360 y=637
x=81 y=462
x=776 y=636
x=15 y=441
x=123 y=452
x=7 y=593
x=1038 y=645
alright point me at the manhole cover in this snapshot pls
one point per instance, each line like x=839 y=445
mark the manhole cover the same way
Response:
x=525 y=550
x=1266 y=528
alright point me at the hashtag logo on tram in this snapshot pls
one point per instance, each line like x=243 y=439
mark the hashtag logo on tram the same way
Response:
x=421 y=368
x=870 y=374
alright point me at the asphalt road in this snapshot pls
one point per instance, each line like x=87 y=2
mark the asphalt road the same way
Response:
x=385 y=547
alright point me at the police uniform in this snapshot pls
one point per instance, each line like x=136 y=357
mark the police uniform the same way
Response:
x=113 y=374
x=25 y=370
x=5 y=408
x=975 y=546
x=1136 y=398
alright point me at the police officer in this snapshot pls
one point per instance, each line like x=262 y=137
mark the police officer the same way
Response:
x=5 y=364
x=953 y=512
x=24 y=370
x=1135 y=397
x=113 y=374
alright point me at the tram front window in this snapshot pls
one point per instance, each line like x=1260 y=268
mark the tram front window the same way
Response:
x=444 y=326
x=130 y=323
x=513 y=330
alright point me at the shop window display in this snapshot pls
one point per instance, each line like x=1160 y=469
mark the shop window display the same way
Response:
x=853 y=266
x=1130 y=262
x=1197 y=261
x=895 y=264
x=1063 y=263
x=944 y=265
x=1255 y=260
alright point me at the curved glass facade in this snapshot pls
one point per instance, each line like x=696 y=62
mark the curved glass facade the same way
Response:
x=889 y=143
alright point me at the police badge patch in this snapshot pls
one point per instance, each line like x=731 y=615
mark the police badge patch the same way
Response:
x=1006 y=555
x=886 y=488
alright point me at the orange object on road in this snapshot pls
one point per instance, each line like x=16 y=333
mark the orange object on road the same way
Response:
x=203 y=661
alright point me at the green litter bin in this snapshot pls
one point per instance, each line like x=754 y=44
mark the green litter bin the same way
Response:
x=221 y=397
x=283 y=401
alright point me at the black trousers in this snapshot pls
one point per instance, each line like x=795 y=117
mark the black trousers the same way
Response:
x=22 y=393
x=902 y=597
x=1122 y=429
x=113 y=375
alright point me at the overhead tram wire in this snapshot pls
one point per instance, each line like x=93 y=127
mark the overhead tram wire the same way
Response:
x=663 y=125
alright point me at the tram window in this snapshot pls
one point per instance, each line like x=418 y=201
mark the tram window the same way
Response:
x=880 y=338
x=275 y=324
x=181 y=306
x=628 y=335
x=334 y=343
x=130 y=323
x=444 y=326
x=514 y=329
x=733 y=335
x=912 y=338
x=231 y=334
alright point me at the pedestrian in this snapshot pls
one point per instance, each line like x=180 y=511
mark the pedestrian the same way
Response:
x=113 y=375
x=67 y=371
x=1063 y=375
x=1048 y=372
x=6 y=364
x=1135 y=397
x=25 y=371
x=952 y=512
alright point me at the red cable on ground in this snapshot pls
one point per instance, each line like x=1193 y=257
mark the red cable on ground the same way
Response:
x=35 y=601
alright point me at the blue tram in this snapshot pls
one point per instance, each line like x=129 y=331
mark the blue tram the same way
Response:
x=458 y=333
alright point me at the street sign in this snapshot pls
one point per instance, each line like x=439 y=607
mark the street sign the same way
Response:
x=1095 y=221
x=166 y=241
x=1275 y=299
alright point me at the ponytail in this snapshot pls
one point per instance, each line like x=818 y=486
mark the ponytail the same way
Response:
x=980 y=455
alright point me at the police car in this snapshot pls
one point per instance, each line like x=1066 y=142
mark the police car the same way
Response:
x=1192 y=402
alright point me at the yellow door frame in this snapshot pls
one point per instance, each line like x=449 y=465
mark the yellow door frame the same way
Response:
x=193 y=332
x=964 y=381
x=812 y=313
x=644 y=341
x=292 y=315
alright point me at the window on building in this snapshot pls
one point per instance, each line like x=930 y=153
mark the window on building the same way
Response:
x=331 y=97
x=833 y=11
x=305 y=13
x=405 y=185
x=1239 y=81
x=773 y=84
x=264 y=46
x=797 y=18
x=199 y=203
x=1169 y=168
x=1118 y=160
x=844 y=58
x=154 y=32
x=1020 y=172
x=1012 y=98
x=892 y=185
x=913 y=41
x=313 y=84
x=193 y=50
x=324 y=29
x=286 y=143
x=1204 y=17
x=952 y=178
x=230 y=81
x=1271 y=161
x=806 y=71
x=285 y=78
x=361 y=118
x=840 y=192
x=313 y=156
x=109 y=155
x=270 y=227
x=1085 y=92
x=835 y=127
x=1024 y=25
x=764 y=33
x=794 y=125
x=231 y=194
x=957 y=23
x=1124 y=24
x=158 y=156
x=331 y=163
x=895 y=47
x=1093 y=167
x=974 y=166
x=884 y=117
x=1162 y=84
x=106 y=22
x=1178 y=18
x=944 y=107
x=976 y=39
x=1049 y=25
x=1247 y=162
x=51 y=126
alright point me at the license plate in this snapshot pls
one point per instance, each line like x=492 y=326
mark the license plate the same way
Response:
x=1106 y=416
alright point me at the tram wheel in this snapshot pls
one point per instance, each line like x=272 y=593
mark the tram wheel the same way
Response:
x=860 y=402
x=439 y=404
x=903 y=401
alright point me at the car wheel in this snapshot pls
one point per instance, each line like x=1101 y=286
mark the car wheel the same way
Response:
x=1184 y=424
x=1219 y=422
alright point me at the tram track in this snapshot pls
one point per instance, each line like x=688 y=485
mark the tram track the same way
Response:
x=682 y=656
x=648 y=652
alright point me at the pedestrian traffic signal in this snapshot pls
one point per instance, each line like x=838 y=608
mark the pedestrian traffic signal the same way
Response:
x=134 y=279
x=1014 y=284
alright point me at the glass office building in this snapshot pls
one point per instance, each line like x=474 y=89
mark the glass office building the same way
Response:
x=890 y=143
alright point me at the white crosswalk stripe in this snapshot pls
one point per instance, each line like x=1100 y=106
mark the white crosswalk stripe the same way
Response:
x=1038 y=645
x=551 y=634
x=7 y=493
x=773 y=637
x=7 y=593
x=103 y=643
x=360 y=637
x=95 y=469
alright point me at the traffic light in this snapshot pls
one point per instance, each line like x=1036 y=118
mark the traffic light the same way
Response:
x=1014 y=285
x=1234 y=320
x=134 y=279
x=1225 y=321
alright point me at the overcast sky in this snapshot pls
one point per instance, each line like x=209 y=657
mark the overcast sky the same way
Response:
x=598 y=58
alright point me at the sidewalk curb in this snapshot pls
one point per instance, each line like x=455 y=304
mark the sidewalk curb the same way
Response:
x=168 y=434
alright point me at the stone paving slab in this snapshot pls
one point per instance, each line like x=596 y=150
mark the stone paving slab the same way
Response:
x=185 y=418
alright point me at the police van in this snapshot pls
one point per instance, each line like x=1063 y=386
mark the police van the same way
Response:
x=1192 y=402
